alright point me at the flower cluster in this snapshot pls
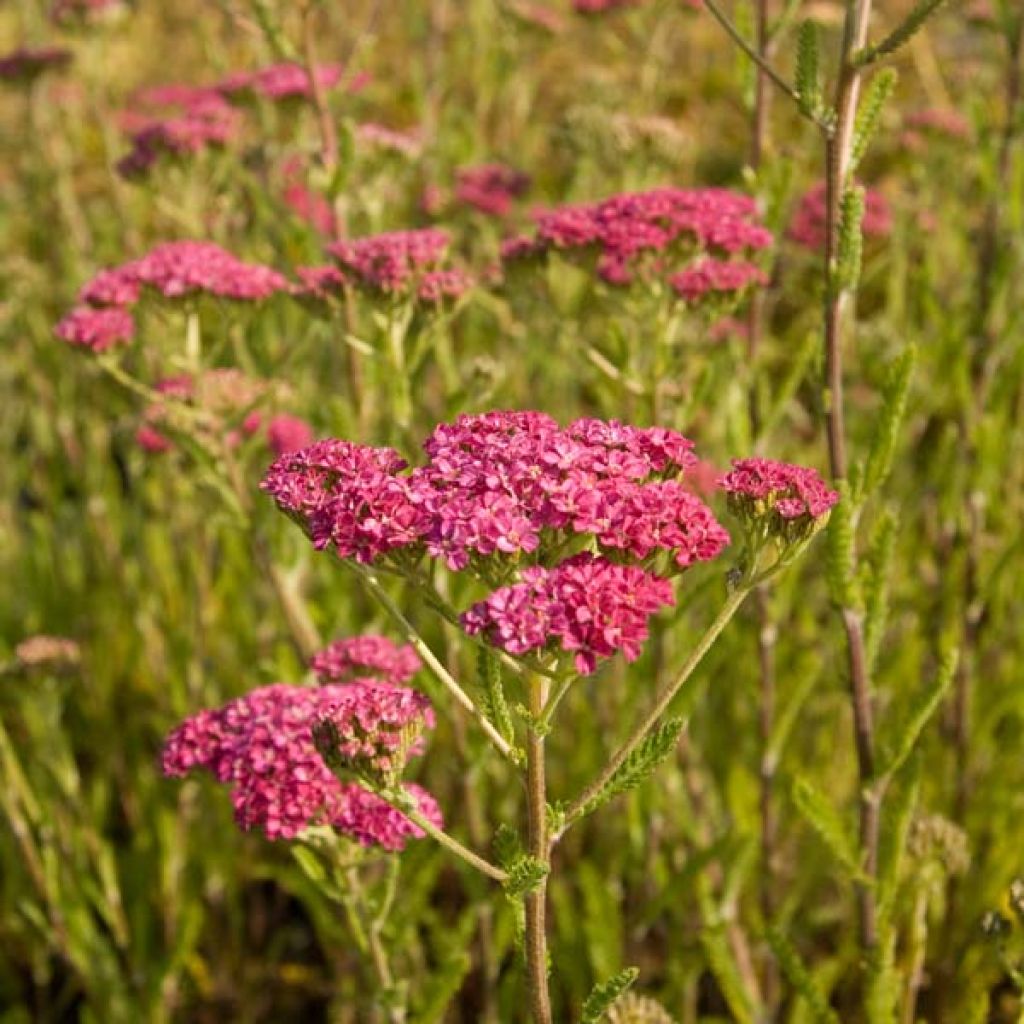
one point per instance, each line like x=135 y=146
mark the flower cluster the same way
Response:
x=587 y=607
x=306 y=203
x=377 y=136
x=96 y=329
x=791 y=502
x=262 y=746
x=635 y=230
x=76 y=12
x=365 y=658
x=402 y=261
x=490 y=188
x=712 y=278
x=25 y=63
x=284 y=81
x=602 y=6
x=503 y=484
x=808 y=225
x=192 y=119
x=173 y=270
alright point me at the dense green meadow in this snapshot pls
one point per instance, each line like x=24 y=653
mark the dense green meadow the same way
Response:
x=775 y=780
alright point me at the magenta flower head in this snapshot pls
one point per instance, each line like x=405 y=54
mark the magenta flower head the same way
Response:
x=500 y=491
x=778 y=500
x=490 y=188
x=281 y=81
x=710 y=279
x=586 y=607
x=96 y=329
x=371 y=731
x=358 y=657
x=288 y=434
x=262 y=746
x=643 y=234
x=394 y=262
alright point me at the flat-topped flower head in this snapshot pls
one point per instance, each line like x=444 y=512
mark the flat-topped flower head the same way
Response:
x=394 y=261
x=586 y=607
x=490 y=188
x=177 y=270
x=96 y=329
x=176 y=121
x=790 y=502
x=360 y=657
x=281 y=81
x=501 y=489
x=643 y=233
x=261 y=745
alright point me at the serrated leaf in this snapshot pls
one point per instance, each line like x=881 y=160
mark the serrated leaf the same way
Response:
x=808 y=76
x=870 y=113
x=897 y=815
x=920 y=712
x=900 y=35
x=525 y=874
x=603 y=996
x=819 y=813
x=799 y=977
x=657 y=745
x=493 y=693
x=894 y=407
x=851 y=238
x=839 y=551
x=876 y=586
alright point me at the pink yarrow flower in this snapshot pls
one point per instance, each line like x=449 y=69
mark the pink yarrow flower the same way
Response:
x=357 y=657
x=283 y=81
x=502 y=485
x=587 y=607
x=288 y=434
x=644 y=232
x=491 y=188
x=779 y=493
x=710 y=278
x=262 y=746
x=96 y=329
x=394 y=261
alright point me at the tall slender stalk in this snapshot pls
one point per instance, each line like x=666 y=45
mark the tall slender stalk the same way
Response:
x=539 y=847
x=838 y=149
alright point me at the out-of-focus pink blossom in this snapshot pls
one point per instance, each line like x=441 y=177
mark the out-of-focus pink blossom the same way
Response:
x=288 y=434
x=490 y=188
x=96 y=329
x=27 y=63
x=377 y=136
x=808 y=225
x=283 y=81
x=394 y=261
x=710 y=278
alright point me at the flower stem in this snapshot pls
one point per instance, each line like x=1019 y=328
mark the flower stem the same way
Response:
x=539 y=847
x=451 y=844
x=578 y=807
x=442 y=674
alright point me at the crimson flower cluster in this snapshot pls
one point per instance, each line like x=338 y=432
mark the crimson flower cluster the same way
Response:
x=365 y=658
x=490 y=188
x=96 y=329
x=285 y=81
x=503 y=484
x=261 y=745
x=172 y=270
x=808 y=225
x=192 y=119
x=402 y=262
x=790 y=501
x=715 y=278
x=586 y=606
x=635 y=231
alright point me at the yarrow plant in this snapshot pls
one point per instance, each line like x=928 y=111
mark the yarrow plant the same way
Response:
x=576 y=532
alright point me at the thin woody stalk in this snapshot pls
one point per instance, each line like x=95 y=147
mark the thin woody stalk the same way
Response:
x=539 y=847
x=838 y=148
